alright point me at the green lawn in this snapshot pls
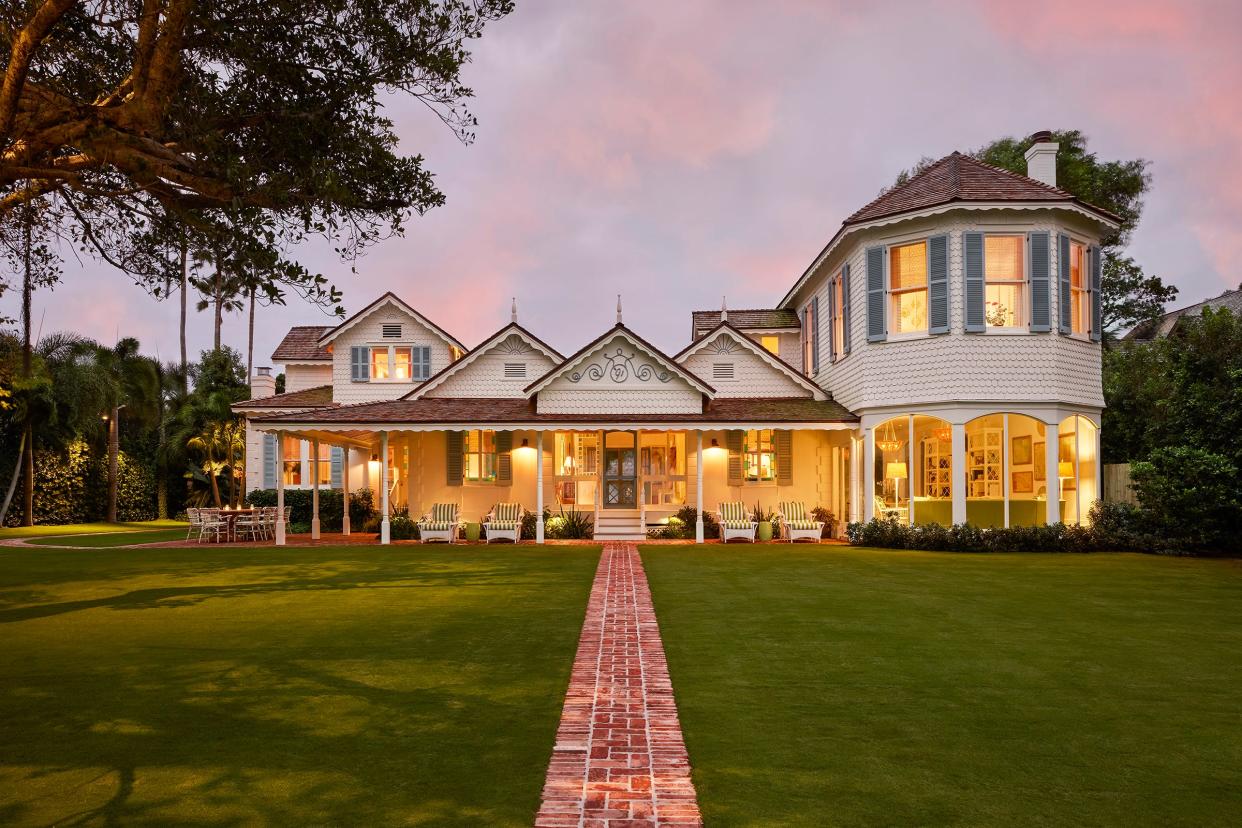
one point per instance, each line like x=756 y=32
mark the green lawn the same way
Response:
x=839 y=686
x=111 y=539
x=97 y=528
x=324 y=686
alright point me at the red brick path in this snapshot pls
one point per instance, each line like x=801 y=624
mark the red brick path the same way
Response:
x=619 y=757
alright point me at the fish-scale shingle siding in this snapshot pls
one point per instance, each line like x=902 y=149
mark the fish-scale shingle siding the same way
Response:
x=369 y=331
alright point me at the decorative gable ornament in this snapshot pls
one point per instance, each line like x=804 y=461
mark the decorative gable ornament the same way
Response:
x=619 y=367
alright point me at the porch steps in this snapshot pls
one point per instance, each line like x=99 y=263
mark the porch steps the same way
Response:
x=619 y=525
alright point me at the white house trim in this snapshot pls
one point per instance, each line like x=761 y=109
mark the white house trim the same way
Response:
x=638 y=343
x=512 y=329
x=740 y=336
x=390 y=299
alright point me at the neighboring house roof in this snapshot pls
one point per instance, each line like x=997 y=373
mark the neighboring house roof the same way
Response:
x=661 y=357
x=484 y=346
x=389 y=296
x=1164 y=325
x=760 y=319
x=301 y=344
x=318 y=397
x=471 y=411
x=956 y=179
x=755 y=348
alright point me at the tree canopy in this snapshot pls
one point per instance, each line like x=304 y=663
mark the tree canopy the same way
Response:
x=259 y=120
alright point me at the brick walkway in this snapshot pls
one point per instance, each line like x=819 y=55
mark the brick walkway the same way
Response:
x=619 y=757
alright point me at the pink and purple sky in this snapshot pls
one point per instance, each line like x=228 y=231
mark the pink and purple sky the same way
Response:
x=675 y=152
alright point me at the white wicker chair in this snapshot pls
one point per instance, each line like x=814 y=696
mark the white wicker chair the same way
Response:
x=211 y=524
x=196 y=523
x=796 y=524
x=504 y=521
x=735 y=522
x=440 y=524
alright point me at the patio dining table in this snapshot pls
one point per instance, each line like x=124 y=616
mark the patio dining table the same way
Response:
x=230 y=516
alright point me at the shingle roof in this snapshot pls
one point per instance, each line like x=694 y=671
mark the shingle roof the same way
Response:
x=458 y=411
x=958 y=177
x=704 y=321
x=302 y=343
x=318 y=397
x=1164 y=325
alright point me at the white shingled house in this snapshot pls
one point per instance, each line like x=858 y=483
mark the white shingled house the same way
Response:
x=937 y=361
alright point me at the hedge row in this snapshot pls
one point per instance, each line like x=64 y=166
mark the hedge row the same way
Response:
x=331 y=507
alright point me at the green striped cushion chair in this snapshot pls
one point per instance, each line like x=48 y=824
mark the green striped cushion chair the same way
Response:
x=443 y=516
x=734 y=515
x=505 y=516
x=795 y=516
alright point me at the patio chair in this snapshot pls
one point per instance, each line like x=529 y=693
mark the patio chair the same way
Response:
x=196 y=523
x=250 y=525
x=212 y=525
x=735 y=522
x=883 y=511
x=796 y=524
x=439 y=524
x=504 y=521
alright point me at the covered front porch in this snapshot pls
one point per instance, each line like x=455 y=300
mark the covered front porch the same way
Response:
x=625 y=477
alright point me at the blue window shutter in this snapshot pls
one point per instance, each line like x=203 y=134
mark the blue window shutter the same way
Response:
x=360 y=364
x=938 y=284
x=877 y=330
x=972 y=265
x=1064 y=293
x=1041 y=272
x=845 y=301
x=1097 y=268
x=815 y=335
x=269 y=461
x=425 y=362
x=338 y=464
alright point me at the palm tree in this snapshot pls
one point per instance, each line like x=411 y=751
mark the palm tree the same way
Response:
x=214 y=436
x=131 y=381
x=170 y=455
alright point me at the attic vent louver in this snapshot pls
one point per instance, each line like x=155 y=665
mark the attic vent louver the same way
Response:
x=391 y=331
x=722 y=370
x=515 y=370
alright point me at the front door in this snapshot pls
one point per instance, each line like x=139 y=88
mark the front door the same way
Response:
x=620 y=470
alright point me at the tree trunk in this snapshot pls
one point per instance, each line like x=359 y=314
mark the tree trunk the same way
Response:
x=27 y=360
x=185 y=290
x=28 y=479
x=211 y=475
x=161 y=474
x=17 y=471
x=219 y=302
x=250 y=344
x=114 y=450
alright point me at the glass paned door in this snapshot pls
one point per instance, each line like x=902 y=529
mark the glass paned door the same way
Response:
x=620 y=471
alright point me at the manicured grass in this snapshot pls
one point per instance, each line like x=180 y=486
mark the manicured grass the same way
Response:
x=839 y=686
x=86 y=528
x=111 y=539
x=300 y=686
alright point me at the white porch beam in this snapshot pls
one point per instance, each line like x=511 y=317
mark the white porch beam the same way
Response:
x=280 y=490
x=346 y=451
x=957 y=472
x=868 y=493
x=1052 y=482
x=698 y=489
x=314 y=490
x=385 y=527
x=539 y=487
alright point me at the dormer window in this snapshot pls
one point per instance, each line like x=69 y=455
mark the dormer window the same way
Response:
x=391 y=331
x=907 y=288
x=390 y=364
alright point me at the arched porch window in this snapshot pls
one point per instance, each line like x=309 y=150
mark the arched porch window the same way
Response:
x=1006 y=471
x=1076 y=467
x=914 y=469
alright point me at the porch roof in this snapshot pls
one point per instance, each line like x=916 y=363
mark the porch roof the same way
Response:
x=428 y=413
x=318 y=397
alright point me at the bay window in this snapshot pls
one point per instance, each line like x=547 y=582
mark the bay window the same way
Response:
x=479 y=456
x=1080 y=307
x=759 y=455
x=907 y=288
x=1005 y=275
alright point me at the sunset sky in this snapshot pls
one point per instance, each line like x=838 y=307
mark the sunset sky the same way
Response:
x=677 y=151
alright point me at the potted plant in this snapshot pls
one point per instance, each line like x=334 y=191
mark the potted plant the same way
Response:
x=764 y=519
x=473 y=530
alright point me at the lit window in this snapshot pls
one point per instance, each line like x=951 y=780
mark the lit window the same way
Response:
x=771 y=343
x=1080 y=322
x=759 y=455
x=838 y=317
x=401 y=363
x=291 y=461
x=479 y=455
x=1006 y=280
x=325 y=465
x=907 y=288
x=379 y=363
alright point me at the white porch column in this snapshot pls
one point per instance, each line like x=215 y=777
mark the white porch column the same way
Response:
x=385 y=526
x=366 y=474
x=910 y=468
x=958 y=472
x=1051 y=479
x=1099 y=470
x=599 y=475
x=1005 y=461
x=280 y=489
x=855 y=499
x=315 y=490
x=538 y=487
x=698 y=490
x=345 y=450
x=868 y=492
x=638 y=480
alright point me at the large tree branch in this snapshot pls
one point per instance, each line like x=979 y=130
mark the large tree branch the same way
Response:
x=24 y=46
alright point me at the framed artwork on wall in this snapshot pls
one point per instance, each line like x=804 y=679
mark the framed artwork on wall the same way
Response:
x=1021 y=450
x=1023 y=483
x=1041 y=465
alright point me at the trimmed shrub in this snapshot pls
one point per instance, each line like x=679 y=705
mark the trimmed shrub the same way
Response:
x=331 y=507
x=681 y=526
x=1190 y=499
x=571 y=525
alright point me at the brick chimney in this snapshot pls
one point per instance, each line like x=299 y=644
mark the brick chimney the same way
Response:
x=262 y=384
x=1041 y=158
